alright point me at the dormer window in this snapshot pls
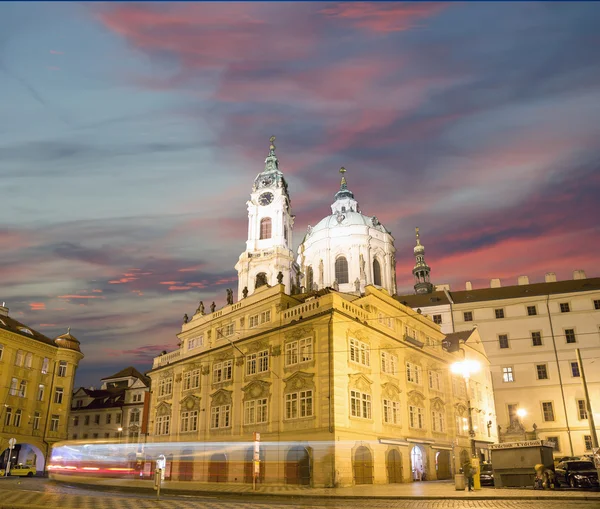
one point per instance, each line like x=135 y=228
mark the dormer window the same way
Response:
x=26 y=330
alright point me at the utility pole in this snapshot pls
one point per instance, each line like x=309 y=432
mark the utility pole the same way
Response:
x=588 y=404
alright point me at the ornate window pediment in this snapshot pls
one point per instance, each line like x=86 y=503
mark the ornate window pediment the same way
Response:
x=360 y=335
x=299 y=381
x=190 y=403
x=221 y=397
x=437 y=404
x=224 y=356
x=166 y=374
x=257 y=346
x=192 y=367
x=460 y=408
x=298 y=333
x=256 y=389
x=163 y=409
x=416 y=398
x=360 y=382
x=390 y=391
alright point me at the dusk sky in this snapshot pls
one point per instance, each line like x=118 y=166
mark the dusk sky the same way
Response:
x=130 y=136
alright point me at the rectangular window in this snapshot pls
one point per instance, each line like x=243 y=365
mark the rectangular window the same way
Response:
x=220 y=416
x=257 y=362
x=391 y=411
x=17 y=419
x=536 y=338
x=97 y=419
x=265 y=316
x=28 y=360
x=468 y=316
x=108 y=418
x=19 y=358
x=299 y=404
x=564 y=307
x=416 y=417
x=360 y=404
x=503 y=340
x=58 y=396
x=531 y=311
x=582 y=410
x=36 y=420
x=62 y=368
x=163 y=424
x=360 y=352
x=507 y=374
x=299 y=351
x=222 y=371
x=548 y=411
x=14 y=384
x=254 y=321
x=437 y=319
x=437 y=421
x=587 y=439
x=191 y=380
x=7 y=416
x=134 y=416
x=1 y=351
x=86 y=420
x=389 y=363
x=228 y=330
x=189 y=421
x=118 y=419
x=542 y=371
x=596 y=306
x=106 y=435
x=575 y=369
x=165 y=387
x=555 y=442
x=435 y=380
x=54 y=422
x=499 y=313
x=255 y=411
x=76 y=420
x=95 y=435
x=570 y=335
x=23 y=388
x=45 y=365
x=414 y=373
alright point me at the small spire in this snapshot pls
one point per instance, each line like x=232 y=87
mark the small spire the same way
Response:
x=343 y=184
x=68 y=330
x=418 y=236
x=272 y=146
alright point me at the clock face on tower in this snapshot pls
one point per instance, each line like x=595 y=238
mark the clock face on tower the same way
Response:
x=265 y=198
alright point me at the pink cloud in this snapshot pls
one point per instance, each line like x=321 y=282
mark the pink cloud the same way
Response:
x=223 y=281
x=47 y=325
x=97 y=290
x=68 y=297
x=202 y=284
x=191 y=269
x=169 y=282
x=179 y=288
x=37 y=306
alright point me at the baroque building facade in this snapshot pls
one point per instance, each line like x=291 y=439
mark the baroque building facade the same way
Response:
x=36 y=381
x=530 y=333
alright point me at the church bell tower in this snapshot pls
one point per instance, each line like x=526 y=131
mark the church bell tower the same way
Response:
x=421 y=270
x=270 y=224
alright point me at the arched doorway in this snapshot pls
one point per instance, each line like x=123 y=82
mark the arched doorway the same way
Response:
x=249 y=466
x=464 y=457
x=442 y=464
x=363 y=466
x=394 y=467
x=417 y=463
x=297 y=466
x=186 y=465
x=217 y=468
x=26 y=454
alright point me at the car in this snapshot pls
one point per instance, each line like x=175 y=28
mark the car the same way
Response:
x=577 y=474
x=20 y=471
x=486 y=475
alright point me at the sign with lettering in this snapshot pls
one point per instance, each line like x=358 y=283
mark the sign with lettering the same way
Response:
x=520 y=445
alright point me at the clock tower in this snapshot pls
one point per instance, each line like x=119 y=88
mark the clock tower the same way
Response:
x=270 y=224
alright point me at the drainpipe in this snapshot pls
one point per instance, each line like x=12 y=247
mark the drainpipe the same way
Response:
x=451 y=309
x=562 y=389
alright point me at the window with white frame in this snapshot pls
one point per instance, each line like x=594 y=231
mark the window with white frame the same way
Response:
x=17 y=419
x=409 y=332
x=255 y=411
x=137 y=397
x=226 y=331
x=389 y=363
x=36 y=420
x=220 y=416
x=45 y=365
x=58 y=395
x=587 y=441
x=360 y=352
x=385 y=320
x=548 y=411
x=54 y=423
x=438 y=421
x=14 y=384
x=40 y=392
x=191 y=380
x=165 y=386
x=582 y=410
x=62 y=368
x=416 y=417
x=435 y=380
x=257 y=362
x=28 y=359
x=298 y=351
x=507 y=374
x=189 y=421
x=391 y=411
x=222 y=371
x=134 y=416
x=360 y=404
x=23 y=388
x=7 y=416
x=196 y=342
x=414 y=373
x=163 y=424
x=19 y=358
x=254 y=321
x=299 y=404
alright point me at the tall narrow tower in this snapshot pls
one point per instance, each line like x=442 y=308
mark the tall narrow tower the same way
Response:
x=421 y=270
x=270 y=224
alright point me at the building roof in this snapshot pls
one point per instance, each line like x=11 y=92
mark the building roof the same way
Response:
x=12 y=325
x=129 y=372
x=503 y=292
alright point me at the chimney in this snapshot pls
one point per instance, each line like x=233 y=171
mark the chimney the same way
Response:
x=442 y=287
x=579 y=274
x=495 y=283
x=468 y=286
x=550 y=277
x=522 y=280
x=3 y=310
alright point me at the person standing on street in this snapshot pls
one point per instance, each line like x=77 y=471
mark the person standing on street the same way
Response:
x=469 y=472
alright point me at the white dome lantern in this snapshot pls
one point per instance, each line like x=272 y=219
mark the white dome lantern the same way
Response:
x=347 y=250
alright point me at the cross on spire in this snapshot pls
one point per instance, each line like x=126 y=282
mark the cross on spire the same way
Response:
x=272 y=146
x=418 y=236
x=343 y=184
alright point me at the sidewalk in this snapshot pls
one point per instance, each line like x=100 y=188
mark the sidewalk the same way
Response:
x=434 y=490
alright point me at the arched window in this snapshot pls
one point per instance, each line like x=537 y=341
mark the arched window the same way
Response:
x=309 y=279
x=261 y=280
x=376 y=273
x=341 y=270
x=265 y=228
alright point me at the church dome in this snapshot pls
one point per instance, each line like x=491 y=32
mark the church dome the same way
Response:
x=68 y=341
x=347 y=250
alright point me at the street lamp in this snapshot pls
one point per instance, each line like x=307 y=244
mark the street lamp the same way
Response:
x=120 y=430
x=465 y=368
x=521 y=412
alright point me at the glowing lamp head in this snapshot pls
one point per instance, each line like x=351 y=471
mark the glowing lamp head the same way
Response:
x=119 y=429
x=465 y=368
x=521 y=412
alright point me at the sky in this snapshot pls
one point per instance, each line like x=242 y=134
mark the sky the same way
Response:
x=130 y=136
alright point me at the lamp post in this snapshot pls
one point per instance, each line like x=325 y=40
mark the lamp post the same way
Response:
x=466 y=368
x=120 y=430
